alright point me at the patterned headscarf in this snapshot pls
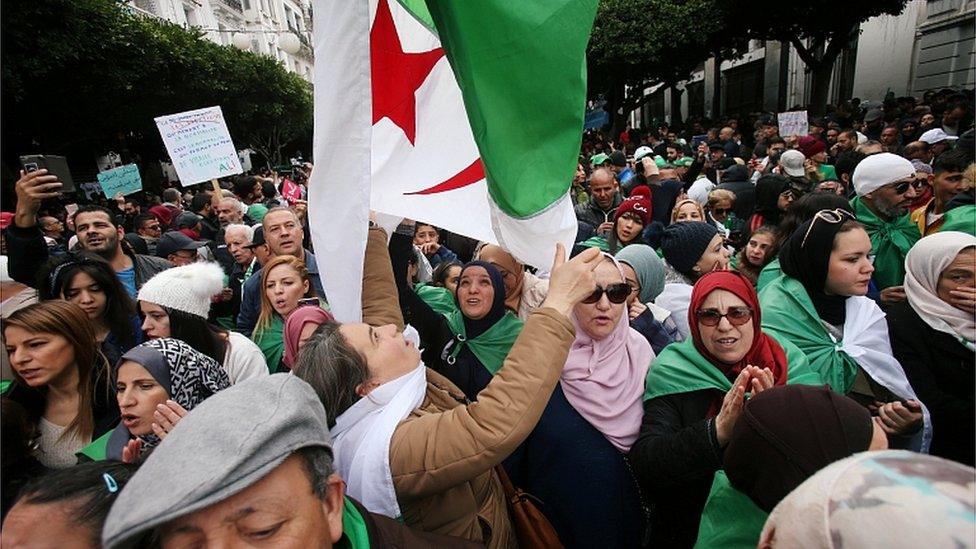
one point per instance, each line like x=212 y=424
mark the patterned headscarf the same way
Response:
x=188 y=376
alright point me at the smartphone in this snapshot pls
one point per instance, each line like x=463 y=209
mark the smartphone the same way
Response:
x=308 y=302
x=55 y=165
x=698 y=140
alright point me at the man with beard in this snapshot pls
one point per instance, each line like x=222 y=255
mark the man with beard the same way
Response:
x=95 y=227
x=885 y=187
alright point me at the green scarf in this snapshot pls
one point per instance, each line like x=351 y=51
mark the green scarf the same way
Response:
x=730 y=519
x=439 y=299
x=355 y=535
x=960 y=218
x=680 y=368
x=890 y=241
x=769 y=273
x=596 y=241
x=5 y=384
x=271 y=342
x=788 y=313
x=96 y=451
x=492 y=346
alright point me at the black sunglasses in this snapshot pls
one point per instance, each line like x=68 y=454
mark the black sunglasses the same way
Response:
x=902 y=188
x=721 y=211
x=616 y=293
x=737 y=316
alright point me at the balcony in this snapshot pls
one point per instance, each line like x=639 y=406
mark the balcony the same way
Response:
x=235 y=5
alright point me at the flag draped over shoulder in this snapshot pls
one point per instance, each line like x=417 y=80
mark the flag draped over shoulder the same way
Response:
x=467 y=115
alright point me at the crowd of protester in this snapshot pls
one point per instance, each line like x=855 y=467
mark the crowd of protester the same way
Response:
x=757 y=340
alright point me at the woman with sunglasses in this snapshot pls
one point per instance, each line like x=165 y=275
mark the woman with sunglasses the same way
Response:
x=691 y=250
x=933 y=336
x=819 y=305
x=694 y=393
x=590 y=423
x=468 y=344
x=436 y=453
x=720 y=205
x=774 y=194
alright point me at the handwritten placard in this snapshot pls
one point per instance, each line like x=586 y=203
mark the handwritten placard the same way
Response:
x=793 y=123
x=124 y=179
x=199 y=145
x=291 y=191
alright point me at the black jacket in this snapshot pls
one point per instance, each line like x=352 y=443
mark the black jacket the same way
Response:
x=940 y=369
x=674 y=459
x=592 y=214
x=745 y=197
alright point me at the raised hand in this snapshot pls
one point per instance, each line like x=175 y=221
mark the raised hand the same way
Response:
x=571 y=281
x=731 y=407
x=31 y=189
x=166 y=416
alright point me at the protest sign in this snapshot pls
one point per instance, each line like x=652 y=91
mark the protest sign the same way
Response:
x=291 y=191
x=792 y=123
x=124 y=179
x=199 y=145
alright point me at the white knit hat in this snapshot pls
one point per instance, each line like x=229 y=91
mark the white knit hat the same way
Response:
x=878 y=170
x=187 y=288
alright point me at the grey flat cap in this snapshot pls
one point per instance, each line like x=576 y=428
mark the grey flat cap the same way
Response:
x=227 y=443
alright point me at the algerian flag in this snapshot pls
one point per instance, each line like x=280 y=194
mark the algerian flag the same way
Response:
x=472 y=122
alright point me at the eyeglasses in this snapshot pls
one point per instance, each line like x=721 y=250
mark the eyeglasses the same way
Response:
x=902 y=187
x=737 y=316
x=616 y=293
x=827 y=216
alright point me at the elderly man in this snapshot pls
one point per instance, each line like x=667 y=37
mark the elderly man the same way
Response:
x=229 y=210
x=938 y=141
x=250 y=466
x=885 y=187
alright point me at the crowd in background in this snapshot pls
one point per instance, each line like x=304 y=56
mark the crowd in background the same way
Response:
x=754 y=336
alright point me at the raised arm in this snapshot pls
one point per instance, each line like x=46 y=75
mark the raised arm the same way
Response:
x=433 y=452
x=381 y=305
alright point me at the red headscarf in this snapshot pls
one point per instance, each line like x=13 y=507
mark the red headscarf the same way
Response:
x=294 y=325
x=765 y=352
x=162 y=214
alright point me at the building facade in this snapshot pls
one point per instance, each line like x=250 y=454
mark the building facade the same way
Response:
x=260 y=26
x=929 y=46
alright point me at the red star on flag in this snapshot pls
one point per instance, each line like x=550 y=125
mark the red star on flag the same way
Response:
x=396 y=74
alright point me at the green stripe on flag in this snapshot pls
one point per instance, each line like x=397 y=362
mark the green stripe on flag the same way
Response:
x=418 y=9
x=521 y=67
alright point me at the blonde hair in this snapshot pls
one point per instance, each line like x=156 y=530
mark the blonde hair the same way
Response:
x=718 y=195
x=677 y=208
x=267 y=310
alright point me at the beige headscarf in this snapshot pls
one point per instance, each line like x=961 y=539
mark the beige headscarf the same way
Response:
x=924 y=264
x=504 y=261
x=680 y=203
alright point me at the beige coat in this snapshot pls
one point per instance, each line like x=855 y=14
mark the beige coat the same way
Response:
x=442 y=454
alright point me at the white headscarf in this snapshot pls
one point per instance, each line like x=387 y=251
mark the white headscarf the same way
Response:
x=923 y=266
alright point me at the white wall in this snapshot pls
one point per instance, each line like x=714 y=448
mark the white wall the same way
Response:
x=884 y=53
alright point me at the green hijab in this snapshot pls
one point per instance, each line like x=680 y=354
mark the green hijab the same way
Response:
x=439 y=299
x=730 y=518
x=789 y=315
x=271 y=342
x=890 y=242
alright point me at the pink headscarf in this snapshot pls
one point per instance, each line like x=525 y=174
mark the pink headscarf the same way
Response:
x=294 y=325
x=604 y=380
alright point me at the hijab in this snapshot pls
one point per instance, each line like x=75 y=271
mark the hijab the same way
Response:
x=677 y=207
x=604 y=379
x=923 y=267
x=490 y=338
x=805 y=256
x=765 y=352
x=498 y=257
x=294 y=325
x=188 y=376
x=649 y=268
x=768 y=189
x=788 y=433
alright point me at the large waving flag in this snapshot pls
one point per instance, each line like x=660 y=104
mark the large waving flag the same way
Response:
x=465 y=114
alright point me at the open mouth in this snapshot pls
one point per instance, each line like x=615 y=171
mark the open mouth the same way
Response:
x=129 y=419
x=31 y=373
x=602 y=320
x=727 y=342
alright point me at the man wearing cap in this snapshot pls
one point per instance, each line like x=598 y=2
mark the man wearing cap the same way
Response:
x=177 y=248
x=873 y=123
x=618 y=163
x=816 y=155
x=96 y=229
x=251 y=465
x=938 y=141
x=600 y=160
x=885 y=187
x=604 y=199
x=947 y=181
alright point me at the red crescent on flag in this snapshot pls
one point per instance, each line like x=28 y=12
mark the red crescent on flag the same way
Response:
x=468 y=176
